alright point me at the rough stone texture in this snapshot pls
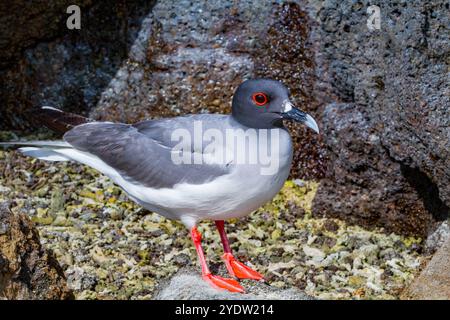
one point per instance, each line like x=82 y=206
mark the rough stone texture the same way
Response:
x=364 y=184
x=434 y=282
x=436 y=239
x=24 y=25
x=190 y=56
x=44 y=63
x=397 y=81
x=27 y=270
x=188 y=285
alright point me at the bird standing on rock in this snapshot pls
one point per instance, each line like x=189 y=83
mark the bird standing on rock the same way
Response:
x=203 y=166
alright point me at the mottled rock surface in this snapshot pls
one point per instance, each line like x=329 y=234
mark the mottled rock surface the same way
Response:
x=364 y=184
x=187 y=284
x=27 y=270
x=397 y=79
x=434 y=282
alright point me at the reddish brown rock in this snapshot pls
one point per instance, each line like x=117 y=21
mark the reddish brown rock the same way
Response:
x=27 y=270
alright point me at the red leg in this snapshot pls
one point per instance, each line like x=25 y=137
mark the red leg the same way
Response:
x=234 y=267
x=215 y=281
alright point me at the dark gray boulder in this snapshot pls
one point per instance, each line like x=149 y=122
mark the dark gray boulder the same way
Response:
x=397 y=82
x=364 y=184
x=42 y=62
x=184 y=57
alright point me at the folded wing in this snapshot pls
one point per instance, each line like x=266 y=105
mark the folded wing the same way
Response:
x=141 y=153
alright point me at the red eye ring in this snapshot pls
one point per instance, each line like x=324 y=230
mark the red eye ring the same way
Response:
x=260 y=98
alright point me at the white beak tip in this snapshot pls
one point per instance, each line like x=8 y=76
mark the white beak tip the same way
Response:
x=310 y=122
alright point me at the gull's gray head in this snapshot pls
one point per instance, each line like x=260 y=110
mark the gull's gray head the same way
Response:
x=264 y=103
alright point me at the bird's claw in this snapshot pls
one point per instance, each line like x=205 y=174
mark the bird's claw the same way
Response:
x=238 y=269
x=223 y=283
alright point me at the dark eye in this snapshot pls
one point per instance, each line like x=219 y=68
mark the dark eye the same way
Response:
x=260 y=98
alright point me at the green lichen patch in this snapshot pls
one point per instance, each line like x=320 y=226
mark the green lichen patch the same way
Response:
x=111 y=248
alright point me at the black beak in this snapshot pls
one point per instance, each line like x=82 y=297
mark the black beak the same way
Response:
x=292 y=113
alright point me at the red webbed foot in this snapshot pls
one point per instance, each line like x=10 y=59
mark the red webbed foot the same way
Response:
x=238 y=269
x=223 y=283
x=215 y=281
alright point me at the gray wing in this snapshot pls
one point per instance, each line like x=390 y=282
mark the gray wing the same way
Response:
x=142 y=152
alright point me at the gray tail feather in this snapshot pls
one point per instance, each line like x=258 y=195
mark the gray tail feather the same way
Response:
x=43 y=154
x=45 y=150
x=42 y=144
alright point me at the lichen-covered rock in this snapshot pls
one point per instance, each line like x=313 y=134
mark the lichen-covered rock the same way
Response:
x=397 y=77
x=187 y=284
x=27 y=270
x=127 y=257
